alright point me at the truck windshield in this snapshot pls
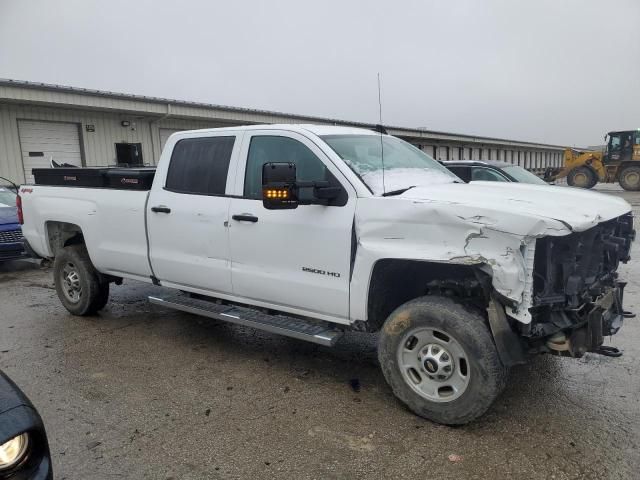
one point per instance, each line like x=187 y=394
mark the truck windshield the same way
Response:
x=404 y=165
x=523 y=176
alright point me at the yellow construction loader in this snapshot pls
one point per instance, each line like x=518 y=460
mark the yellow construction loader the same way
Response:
x=619 y=162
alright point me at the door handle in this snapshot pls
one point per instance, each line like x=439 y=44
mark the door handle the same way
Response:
x=245 y=217
x=161 y=209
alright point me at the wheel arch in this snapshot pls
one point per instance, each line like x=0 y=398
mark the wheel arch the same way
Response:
x=396 y=281
x=62 y=234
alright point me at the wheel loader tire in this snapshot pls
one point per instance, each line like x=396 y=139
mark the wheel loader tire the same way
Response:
x=629 y=178
x=582 y=177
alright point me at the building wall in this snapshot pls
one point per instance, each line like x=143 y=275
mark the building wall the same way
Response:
x=98 y=146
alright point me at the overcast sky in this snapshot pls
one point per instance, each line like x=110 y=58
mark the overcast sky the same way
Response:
x=555 y=71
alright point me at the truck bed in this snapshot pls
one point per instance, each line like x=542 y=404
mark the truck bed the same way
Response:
x=111 y=220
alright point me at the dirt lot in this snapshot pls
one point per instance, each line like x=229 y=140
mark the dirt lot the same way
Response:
x=143 y=392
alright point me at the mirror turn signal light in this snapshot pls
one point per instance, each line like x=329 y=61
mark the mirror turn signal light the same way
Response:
x=276 y=193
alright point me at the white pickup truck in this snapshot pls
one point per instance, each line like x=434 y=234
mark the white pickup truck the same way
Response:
x=309 y=231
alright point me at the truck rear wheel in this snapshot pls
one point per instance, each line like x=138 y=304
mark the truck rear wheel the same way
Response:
x=78 y=283
x=440 y=360
x=582 y=177
x=629 y=178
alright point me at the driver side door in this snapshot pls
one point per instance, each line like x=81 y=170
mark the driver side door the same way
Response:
x=295 y=260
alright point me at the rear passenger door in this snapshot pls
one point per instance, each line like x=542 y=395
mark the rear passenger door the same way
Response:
x=187 y=216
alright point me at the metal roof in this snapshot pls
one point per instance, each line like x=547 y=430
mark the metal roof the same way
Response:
x=417 y=133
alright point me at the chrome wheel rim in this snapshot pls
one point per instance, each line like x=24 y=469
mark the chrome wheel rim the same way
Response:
x=434 y=364
x=70 y=282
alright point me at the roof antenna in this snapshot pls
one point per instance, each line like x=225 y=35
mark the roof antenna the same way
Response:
x=382 y=130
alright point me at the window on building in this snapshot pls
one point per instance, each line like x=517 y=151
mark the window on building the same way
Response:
x=200 y=165
x=129 y=154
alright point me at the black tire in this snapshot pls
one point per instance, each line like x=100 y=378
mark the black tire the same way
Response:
x=629 y=178
x=102 y=298
x=486 y=374
x=582 y=177
x=78 y=284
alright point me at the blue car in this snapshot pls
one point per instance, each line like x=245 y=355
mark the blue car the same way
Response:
x=11 y=246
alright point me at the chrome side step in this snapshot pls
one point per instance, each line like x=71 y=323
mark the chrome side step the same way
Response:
x=316 y=332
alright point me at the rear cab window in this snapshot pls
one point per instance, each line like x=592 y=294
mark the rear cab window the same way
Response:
x=200 y=166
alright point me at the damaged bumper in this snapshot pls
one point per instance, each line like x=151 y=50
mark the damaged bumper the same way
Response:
x=596 y=320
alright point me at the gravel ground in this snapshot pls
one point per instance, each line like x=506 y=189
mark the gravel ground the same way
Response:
x=144 y=392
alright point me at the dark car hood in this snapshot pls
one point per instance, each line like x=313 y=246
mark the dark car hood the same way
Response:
x=10 y=395
x=8 y=215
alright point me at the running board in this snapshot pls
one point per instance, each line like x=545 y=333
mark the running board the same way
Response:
x=316 y=332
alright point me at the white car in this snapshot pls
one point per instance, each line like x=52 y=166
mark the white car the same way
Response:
x=309 y=231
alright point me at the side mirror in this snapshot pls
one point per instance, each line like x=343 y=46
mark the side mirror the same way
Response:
x=327 y=193
x=279 y=190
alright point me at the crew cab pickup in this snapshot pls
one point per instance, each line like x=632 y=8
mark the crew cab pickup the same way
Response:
x=309 y=231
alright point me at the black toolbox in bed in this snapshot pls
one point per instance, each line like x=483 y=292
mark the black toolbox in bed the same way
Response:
x=98 y=177
x=75 y=177
x=130 y=178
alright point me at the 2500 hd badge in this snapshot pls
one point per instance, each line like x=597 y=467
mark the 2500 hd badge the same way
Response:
x=320 y=272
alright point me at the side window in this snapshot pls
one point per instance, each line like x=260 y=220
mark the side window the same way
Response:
x=461 y=171
x=614 y=142
x=486 y=175
x=266 y=149
x=200 y=165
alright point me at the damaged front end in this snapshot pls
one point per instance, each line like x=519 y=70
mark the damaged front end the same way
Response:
x=577 y=296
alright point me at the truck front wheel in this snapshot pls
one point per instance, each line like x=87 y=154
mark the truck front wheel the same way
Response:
x=440 y=360
x=78 y=283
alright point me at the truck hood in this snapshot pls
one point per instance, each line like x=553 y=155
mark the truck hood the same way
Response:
x=575 y=208
x=8 y=214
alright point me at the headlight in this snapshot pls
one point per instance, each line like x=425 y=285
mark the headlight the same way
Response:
x=13 y=451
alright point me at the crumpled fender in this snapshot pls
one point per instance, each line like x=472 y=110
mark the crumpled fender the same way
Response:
x=501 y=242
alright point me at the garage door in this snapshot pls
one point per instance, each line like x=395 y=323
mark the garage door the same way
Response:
x=42 y=141
x=165 y=133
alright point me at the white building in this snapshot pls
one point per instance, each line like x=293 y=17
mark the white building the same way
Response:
x=95 y=128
